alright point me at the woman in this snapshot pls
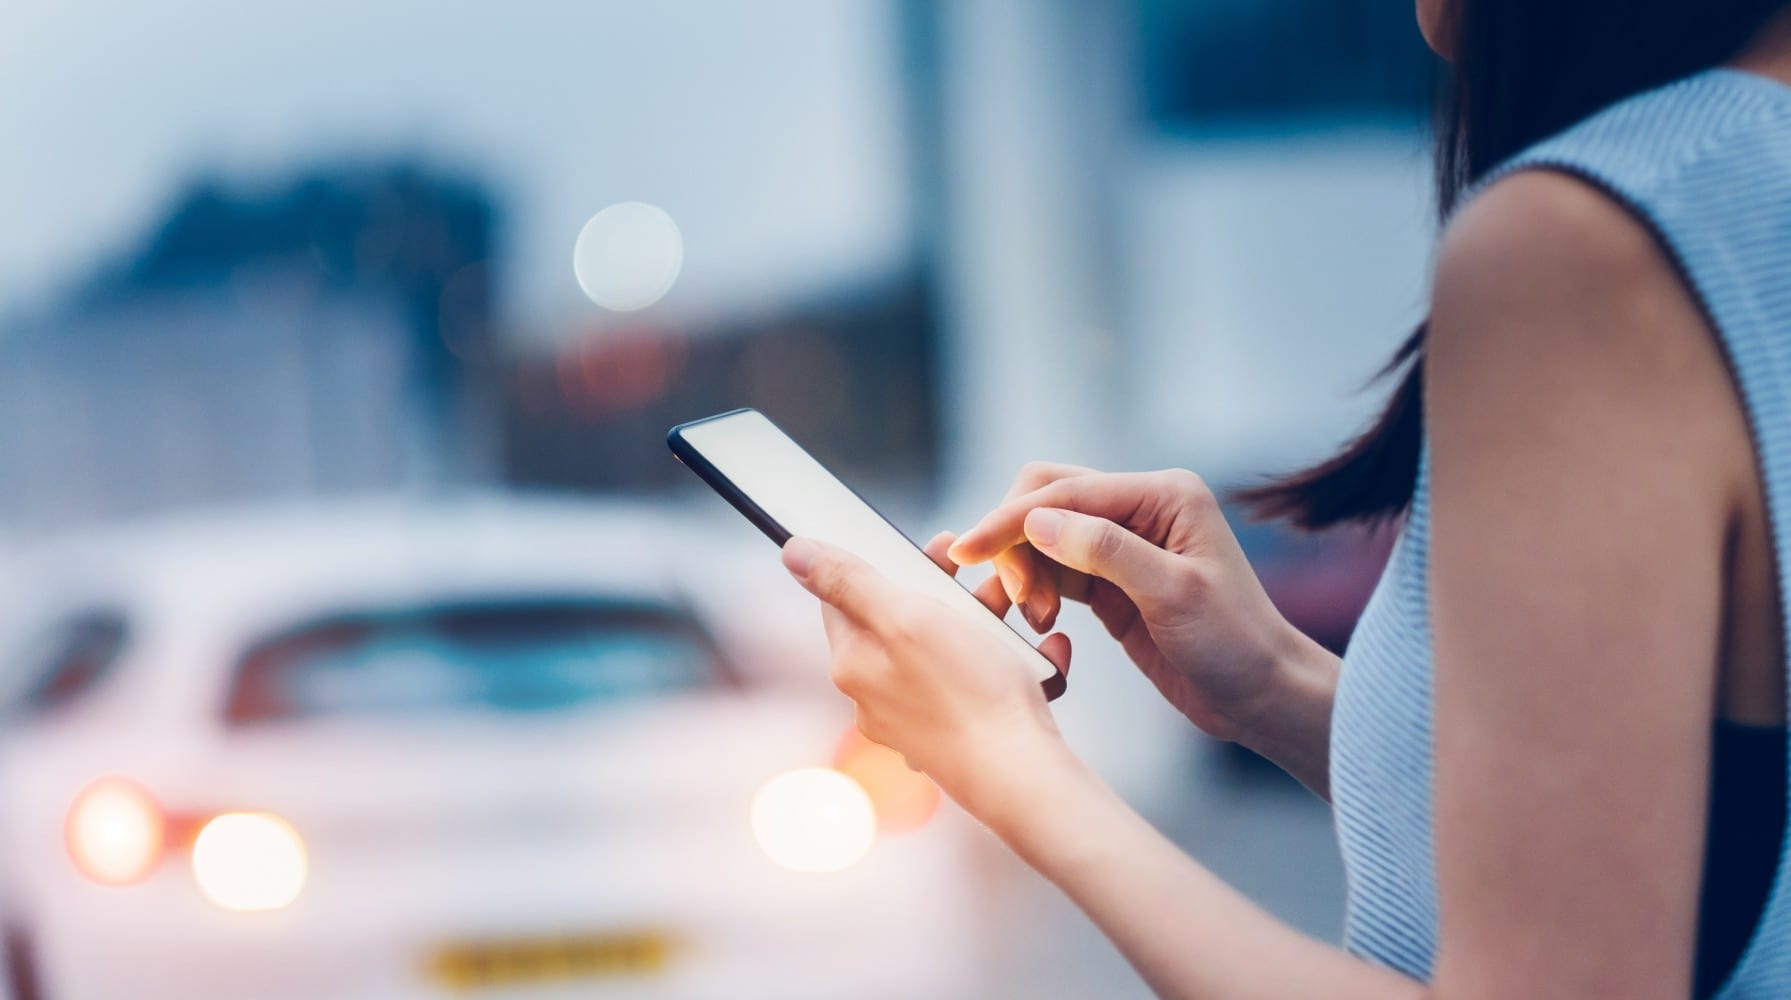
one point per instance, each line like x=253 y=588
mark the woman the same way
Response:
x=1556 y=747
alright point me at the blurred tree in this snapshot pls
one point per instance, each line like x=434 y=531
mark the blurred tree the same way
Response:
x=419 y=238
x=328 y=333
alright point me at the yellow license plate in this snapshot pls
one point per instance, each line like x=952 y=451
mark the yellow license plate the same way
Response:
x=471 y=966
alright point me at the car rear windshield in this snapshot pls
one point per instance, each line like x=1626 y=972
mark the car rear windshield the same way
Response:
x=66 y=662
x=486 y=657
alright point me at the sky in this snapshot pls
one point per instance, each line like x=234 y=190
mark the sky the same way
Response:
x=771 y=130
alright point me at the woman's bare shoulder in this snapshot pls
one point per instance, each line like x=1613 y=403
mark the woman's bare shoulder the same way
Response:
x=1552 y=242
x=1560 y=320
x=1547 y=279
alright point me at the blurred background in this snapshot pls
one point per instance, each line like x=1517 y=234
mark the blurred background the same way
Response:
x=358 y=635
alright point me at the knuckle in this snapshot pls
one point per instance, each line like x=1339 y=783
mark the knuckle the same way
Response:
x=834 y=583
x=844 y=593
x=824 y=577
x=1185 y=480
x=1192 y=489
x=1108 y=540
x=1032 y=475
x=1058 y=493
x=1188 y=578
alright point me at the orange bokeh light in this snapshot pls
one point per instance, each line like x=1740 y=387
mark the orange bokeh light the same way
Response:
x=904 y=798
x=115 y=832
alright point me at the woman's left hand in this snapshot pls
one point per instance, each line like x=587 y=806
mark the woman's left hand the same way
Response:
x=927 y=681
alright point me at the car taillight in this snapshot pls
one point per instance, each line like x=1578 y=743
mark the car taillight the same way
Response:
x=115 y=831
x=249 y=861
x=904 y=798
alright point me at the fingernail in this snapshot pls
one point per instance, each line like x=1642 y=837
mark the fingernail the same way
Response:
x=1043 y=525
x=1038 y=611
x=1011 y=582
x=799 y=556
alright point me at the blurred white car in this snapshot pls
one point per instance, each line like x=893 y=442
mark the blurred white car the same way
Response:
x=485 y=748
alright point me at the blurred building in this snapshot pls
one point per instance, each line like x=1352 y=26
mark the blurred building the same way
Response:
x=852 y=375
x=1277 y=225
x=328 y=335
x=1256 y=60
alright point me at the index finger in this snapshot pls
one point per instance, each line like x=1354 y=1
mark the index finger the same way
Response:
x=1023 y=578
x=1116 y=496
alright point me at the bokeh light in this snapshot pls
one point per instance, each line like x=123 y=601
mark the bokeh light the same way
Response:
x=904 y=798
x=620 y=369
x=249 y=862
x=628 y=255
x=814 y=819
x=115 y=831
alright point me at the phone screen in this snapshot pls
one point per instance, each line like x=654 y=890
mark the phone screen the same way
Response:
x=785 y=491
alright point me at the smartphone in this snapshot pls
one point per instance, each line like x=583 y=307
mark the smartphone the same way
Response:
x=783 y=490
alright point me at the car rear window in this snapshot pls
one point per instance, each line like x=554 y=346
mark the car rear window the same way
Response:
x=69 y=660
x=484 y=657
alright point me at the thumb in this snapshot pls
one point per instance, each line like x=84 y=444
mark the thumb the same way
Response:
x=838 y=578
x=1099 y=547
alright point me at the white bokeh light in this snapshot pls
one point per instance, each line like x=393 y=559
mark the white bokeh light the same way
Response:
x=628 y=256
x=249 y=862
x=813 y=819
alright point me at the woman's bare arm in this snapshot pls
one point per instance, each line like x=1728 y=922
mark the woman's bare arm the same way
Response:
x=1584 y=454
x=1587 y=451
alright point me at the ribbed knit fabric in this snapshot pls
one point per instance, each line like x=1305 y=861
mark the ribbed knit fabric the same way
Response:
x=1706 y=163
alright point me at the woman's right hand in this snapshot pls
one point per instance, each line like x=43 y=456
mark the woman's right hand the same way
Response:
x=1151 y=554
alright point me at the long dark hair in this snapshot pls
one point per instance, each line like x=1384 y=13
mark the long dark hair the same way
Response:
x=1523 y=70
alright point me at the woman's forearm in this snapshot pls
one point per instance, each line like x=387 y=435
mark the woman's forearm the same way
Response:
x=1291 y=724
x=1186 y=932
